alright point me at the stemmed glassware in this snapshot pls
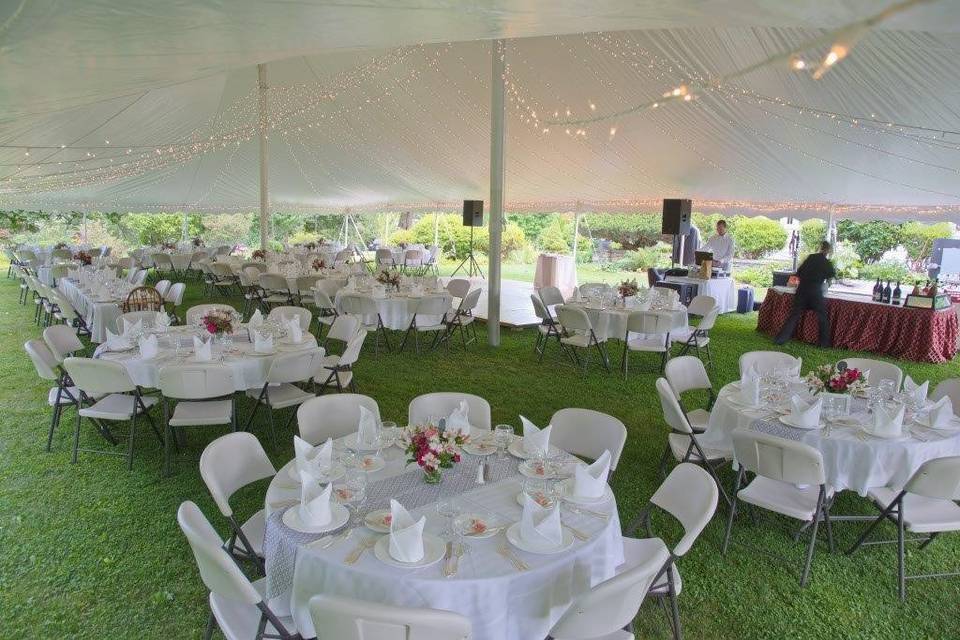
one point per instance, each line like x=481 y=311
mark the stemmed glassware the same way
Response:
x=502 y=437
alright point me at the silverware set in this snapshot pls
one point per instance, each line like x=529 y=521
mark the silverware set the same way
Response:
x=504 y=550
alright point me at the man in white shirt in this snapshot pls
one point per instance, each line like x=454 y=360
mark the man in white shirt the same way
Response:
x=722 y=247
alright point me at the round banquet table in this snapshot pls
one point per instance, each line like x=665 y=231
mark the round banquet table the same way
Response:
x=853 y=460
x=501 y=602
x=723 y=290
x=248 y=368
x=396 y=309
x=611 y=323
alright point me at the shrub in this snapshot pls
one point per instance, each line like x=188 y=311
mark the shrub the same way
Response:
x=640 y=259
x=757 y=276
x=812 y=233
x=846 y=261
x=756 y=237
x=870 y=239
x=554 y=238
x=917 y=238
x=885 y=270
x=631 y=230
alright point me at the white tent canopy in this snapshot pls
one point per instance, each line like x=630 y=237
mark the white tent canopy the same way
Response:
x=142 y=105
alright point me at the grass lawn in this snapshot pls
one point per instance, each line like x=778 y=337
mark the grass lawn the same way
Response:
x=93 y=551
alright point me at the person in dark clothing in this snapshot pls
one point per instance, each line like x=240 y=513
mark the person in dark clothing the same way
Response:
x=815 y=270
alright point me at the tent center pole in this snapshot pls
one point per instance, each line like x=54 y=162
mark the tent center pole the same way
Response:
x=498 y=53
x=262 y=126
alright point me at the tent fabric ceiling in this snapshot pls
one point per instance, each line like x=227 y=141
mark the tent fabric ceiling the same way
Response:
x=153 y=106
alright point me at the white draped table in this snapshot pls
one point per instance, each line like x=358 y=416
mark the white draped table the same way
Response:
x=396 y=309
x=611 y=322
x=555 y=270
x=852 y=459
x=723 y=290
x=98 y=314
x=501 y=602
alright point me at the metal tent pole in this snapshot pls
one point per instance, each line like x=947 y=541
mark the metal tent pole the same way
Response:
x=262 y=125
x=496 y=189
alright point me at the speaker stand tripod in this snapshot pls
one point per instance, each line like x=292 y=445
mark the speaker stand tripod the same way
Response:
x=470 y=262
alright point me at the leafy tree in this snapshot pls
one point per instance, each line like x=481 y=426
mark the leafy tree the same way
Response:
x=455 y=238
x=757 y=236
x=157 y=228
x=871 y=239
x=631 y=230
x=812 y=232
x=706 y=223
x=555 y=238
x=917 y=238
x=533 y=224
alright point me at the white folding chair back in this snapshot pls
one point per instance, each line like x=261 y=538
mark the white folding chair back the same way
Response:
x=259 y=266
x=649 y=323
x=384 y=258
x=539 y=308
x=252 y=274
x=174 y=294
x=938 y=479
x=443 y=403
x=221 y=270
x=273 y=282
x=95 y=377
x=686 y=373
x=195 y=313
x=360 y=306
x=708 y=320
x=767 y=361
x=305 y=284
x=195 y=381
x=330 y=286
x=352 y=352
x=690 y=495
x=344 y=328
x=458 y=287
x=879 y=370
x=700 y=305
x=162 y=287
x=287 y=312
x=322 y=300
x=139 y=278
x=62 y=340
x=593 y=288
x=588 y=433
x=551 y=295
x=948 y=388
x=336 y=618
x=412 y=258
x=43 y=361
x=295 y=367
x=431 y=307
x=673 y=414
x=470 y=301
x=778 y=458
x=333 y=416
x=574 y=319
x=230 y=463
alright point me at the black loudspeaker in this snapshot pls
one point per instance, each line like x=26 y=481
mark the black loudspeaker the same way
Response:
x=676 y=216
x=473 y=213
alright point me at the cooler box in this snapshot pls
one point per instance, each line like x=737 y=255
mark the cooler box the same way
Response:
x=744 y=299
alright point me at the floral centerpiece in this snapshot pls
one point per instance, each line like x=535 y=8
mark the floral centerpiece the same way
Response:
x=389 y=278
x=836 y=378
x=83 y=258
x=218 y=322
x=317 y=264
x=628 y=288
x=259 y=254
x=169 y=246
x=197 y=242
x=433 y=449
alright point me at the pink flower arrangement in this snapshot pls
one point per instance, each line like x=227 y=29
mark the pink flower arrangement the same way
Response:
x=259 y=254
x=317 y=264
x=628 y=288
x=830 y=379
x=218 y=322
x=433 y=449
x=83 y=258
x=389 y=278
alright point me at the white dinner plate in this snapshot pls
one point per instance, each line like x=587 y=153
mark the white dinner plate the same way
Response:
x=378 y=520
x=788 y=420
x=924 y=421
x=262 y=354
x=567 y=487
x=336 y=472
x=433 y=551
x=516 y=449
x=898 y=438
x=371 y=464
x=513 y=536
x=521 y=501
x=350 y=442
x=480 y=448
x=488 y=531
x=339 y=515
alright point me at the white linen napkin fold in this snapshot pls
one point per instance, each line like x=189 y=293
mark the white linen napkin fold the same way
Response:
x=256 y=320
x=750 y=387
x=314 y=501
x=886 y=424
x=148 y=347
x=132 y=328
x=294 y=332
x=590 y=481
x=314 y=461
x=162 y=323
x=367 y=428
x=916 y=391
x=262 y=343
x=116 y=342
x=540 y=526
x=406 y=536
x=459 y=420
x=805 y=414
x=941 y=413
x=535 y=440
x=202 y=351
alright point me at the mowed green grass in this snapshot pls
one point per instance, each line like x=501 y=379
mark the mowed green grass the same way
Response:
x=92 y=550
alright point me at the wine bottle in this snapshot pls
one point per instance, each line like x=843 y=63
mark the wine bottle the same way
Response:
x=877 y=291
x=897 y=293
x=887 y=292
x=916 y=288
x=934 y=288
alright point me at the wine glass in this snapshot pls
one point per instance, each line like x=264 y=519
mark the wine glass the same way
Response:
x=502 y=436
x=887 y=388
x=355 y=481
x=447 y=508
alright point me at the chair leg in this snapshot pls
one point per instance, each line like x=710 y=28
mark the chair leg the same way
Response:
x=211 y=625
x=901 y=558
x=76 y=438
x=167 y=435
x=733 y=512
x=813 y=542
x=133 y=430
x=674 y=606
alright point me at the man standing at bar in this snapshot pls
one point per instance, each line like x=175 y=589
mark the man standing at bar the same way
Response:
x=813 y=273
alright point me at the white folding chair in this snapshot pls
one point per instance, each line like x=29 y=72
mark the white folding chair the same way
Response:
x=546 y=329
x=384 y=259
x=766 y=362
x=122 y=401
x=174 y=298
x=550 y=296
x=336 y=618
x=577 y=333
x=162 y=286
x=462 y=318
x=343 y=329
x=276 y=290
x=195 y=313
x=203 y=395
x=441 y=404
x=280 y=390
x=333 y=416
x=682 y=441
x=364 y=308
x=458 y=288
x=237 y=606
x=224 y=279
x=337 y=371
x=305 y=316
x=305 y=286
x=789 y=479
x=326 y=311
x=698 y=337
x=412 y=260
x=62 y=342
x=948 y=388
x=60 y=395
x=587 y=434
x=228 y=464
x=428 y=316
x=147 y=318
x=652 y=335
x=689 y=495
x=927 y=505
x=878 y=370
x=687 y=373
x=594 y=289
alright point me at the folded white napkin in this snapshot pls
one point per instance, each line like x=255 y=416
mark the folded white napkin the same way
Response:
x=162 y=323
x=367 y=429
x=406 y=536
x=886 y=424
x=132 y=328
x=202 y=351
x=294 y=332
x=148 y=347
x=804 y=414
x=750 y=386
x=916 y=391
x=535 y=440
x=540 y=526
x=314 y=461
x=116 y=342
x=262 y=343
x=256 y=320
x=941 y=413
x=459 y=420
x=591 y=481
x=314 y=501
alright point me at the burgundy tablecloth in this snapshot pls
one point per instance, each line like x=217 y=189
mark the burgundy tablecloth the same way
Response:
x=912 y=334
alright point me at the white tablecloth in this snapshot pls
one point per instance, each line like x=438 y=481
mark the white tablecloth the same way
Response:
x=852 y=462
x=395 y=309
x=502 y=603
x=723 y=290
x=557 y=271
x=612 y=323
x=98 y=315
x=249 y=370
